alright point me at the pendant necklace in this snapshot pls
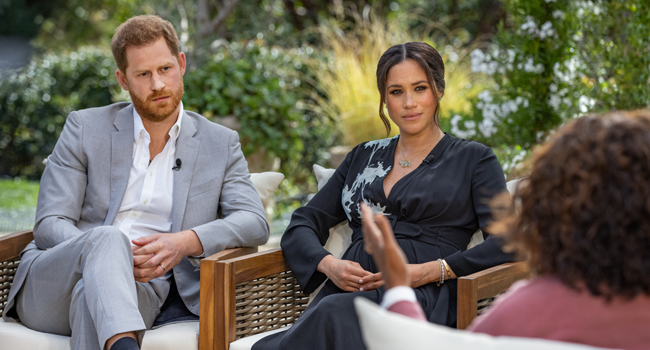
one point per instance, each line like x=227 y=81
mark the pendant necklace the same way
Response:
x=407 y=162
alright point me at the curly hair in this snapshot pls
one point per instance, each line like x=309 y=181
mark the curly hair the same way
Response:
x=583 y=214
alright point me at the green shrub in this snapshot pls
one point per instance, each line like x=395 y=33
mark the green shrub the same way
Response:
x=35 y=100
x=552 y=61
x=266 y=90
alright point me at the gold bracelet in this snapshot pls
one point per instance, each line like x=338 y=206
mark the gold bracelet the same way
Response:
x=447 y=268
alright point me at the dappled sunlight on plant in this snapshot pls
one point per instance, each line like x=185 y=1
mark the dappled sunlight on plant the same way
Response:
x=348 y=78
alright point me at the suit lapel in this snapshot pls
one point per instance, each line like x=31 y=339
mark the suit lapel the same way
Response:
x=187 y=150
x=121 y=160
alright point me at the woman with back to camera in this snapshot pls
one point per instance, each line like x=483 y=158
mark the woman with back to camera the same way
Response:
x=432 y=187
x=583 y=222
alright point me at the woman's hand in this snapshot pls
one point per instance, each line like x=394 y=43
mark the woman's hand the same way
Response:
x=347 y=275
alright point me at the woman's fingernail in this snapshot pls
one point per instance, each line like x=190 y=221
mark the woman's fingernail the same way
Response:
x=360 y=281
x=361 y=289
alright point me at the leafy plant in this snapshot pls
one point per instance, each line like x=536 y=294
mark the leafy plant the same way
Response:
x=265 y=90
x=556 y=60
x=35 y=100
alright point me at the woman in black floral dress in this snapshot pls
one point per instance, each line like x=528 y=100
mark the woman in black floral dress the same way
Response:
x=433 y=188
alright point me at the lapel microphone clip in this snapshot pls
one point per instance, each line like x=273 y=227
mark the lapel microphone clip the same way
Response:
x=178 y=165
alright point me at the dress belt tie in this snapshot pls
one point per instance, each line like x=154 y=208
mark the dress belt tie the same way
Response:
x=453 y=236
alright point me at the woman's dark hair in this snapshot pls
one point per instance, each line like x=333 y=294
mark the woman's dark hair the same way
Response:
x=584 y=211
x=429 y=60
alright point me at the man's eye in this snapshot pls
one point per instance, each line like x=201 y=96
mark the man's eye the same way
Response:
x=143 y=74
x=165 y=68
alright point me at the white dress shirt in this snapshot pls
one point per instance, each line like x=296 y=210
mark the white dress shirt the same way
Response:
x=147 y=204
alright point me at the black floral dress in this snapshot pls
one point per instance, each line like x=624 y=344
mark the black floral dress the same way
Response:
x=434 y=211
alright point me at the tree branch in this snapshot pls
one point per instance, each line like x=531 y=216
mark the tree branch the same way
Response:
x=221 y=17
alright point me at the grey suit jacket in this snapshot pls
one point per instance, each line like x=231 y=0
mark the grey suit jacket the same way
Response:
x=87 y=174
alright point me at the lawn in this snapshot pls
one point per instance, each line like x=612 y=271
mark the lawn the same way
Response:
x=18 y=194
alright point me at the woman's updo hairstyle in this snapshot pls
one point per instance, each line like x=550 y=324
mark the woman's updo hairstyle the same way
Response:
x=429 y=60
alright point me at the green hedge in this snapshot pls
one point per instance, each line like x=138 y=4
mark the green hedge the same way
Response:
x=35 y=100
x=267 y=90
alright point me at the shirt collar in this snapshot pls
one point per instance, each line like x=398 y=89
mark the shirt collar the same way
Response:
x=138 y=127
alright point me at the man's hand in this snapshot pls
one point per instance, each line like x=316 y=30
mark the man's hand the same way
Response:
x=379 y=241
x=154 y=255
x=347 y=275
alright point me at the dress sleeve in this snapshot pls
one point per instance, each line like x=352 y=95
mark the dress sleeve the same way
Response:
x=302 y=242
x=487 y=181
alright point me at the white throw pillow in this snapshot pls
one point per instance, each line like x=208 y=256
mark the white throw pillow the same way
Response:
x=265 y=184
x=341 y=234
x=385 y=330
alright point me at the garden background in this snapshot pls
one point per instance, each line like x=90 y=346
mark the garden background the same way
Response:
x=296 y=78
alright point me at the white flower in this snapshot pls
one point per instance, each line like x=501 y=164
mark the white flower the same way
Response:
x=554 y=101
x=546 y=31
x=530 y=26
x=557 y=14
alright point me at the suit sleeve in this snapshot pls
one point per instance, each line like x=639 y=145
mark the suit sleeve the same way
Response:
x=244 y=221
x=487 y=181
x=63 y=188
x=302 y=242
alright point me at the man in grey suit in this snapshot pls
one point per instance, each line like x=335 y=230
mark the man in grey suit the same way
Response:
x=128 y=205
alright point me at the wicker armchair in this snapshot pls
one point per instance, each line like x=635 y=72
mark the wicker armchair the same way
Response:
x=257 y=293
x=11 y=245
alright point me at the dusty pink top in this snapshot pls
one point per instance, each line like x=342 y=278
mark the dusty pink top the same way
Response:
x=546 y=308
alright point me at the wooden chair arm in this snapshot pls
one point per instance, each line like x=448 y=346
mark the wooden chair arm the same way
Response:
x=213 y=298
x=267 y=292
x=12 y=244
x=483 y=285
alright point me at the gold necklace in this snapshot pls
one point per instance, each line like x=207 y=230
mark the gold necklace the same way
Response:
x=407 y=162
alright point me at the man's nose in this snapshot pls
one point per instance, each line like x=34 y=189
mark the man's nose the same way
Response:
x=157 y=83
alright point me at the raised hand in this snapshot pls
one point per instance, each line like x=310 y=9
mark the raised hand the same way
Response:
x=379 y=241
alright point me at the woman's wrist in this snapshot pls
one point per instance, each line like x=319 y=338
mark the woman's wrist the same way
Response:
x=429 y=272
x=324 y=264
x=426 y=273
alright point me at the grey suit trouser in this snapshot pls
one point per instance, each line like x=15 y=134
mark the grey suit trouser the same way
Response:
x=84 y=288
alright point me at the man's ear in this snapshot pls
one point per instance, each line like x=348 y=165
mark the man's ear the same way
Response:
x=121 y=78
x=182 y=61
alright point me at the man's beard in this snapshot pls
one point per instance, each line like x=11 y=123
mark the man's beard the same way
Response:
x=157 y=112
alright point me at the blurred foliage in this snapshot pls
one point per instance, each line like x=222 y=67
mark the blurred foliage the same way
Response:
x=556 y=60
x=348 y=77
x=19 y=17
x=35 y=100
x=266 y=90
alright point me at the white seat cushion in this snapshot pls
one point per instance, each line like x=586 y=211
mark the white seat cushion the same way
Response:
x=178 y=336
x=384 y=330
x=16 y=336
x=247 y=343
